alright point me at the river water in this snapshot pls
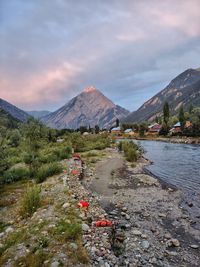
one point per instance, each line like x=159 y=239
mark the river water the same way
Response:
x=177 y=164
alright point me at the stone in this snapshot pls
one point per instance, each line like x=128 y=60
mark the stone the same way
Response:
x=171 y=253
x=9 y=230
x=136 y=232
x=162 y=215
x=194 y=246
x=173 y=242
x=167 y=236
x=124 y=209
x=66 y=205
x=55 y=264
x=85 y=227
x=127 y=217
x=145 y=244
x=73 y=246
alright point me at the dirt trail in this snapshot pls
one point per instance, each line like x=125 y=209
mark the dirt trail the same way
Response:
x=101 y=184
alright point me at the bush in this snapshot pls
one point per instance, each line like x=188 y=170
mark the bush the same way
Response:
x=31 y=201
x=131 y=154
x=70 y=231
x=47 y=170
x=131 y=150
x=16 y=174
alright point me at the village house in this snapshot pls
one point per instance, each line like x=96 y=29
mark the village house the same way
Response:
x=129 y=132
x=154 y=128
x=177 y=127
x=116 y=131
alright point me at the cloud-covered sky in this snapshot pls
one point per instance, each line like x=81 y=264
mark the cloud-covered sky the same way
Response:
x=50 y=50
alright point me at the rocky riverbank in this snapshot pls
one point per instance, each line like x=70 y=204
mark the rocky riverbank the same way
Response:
x=150 y=227
x=154 y=229
x=175 y=140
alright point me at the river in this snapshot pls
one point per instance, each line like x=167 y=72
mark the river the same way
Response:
x=176 y=164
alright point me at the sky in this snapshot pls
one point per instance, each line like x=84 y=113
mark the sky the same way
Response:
x=50 y=50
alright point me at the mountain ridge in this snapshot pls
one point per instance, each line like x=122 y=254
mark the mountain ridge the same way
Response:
x=14 y=111
x=89 y=108
x=184 y=90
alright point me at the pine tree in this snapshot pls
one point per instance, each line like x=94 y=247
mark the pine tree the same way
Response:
x=181 y=117
x=166 y=113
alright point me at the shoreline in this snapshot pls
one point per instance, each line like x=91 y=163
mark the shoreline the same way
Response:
x=154 y=222
x=173 y=140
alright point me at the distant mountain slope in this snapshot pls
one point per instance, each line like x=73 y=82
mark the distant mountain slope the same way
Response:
x=13 y=110
x=7 y=121
x=90 y=107
x=38 y=114
x=183 y=90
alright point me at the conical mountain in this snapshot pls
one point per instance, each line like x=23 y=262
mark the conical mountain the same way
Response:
x=182 y=90
x=90 y=107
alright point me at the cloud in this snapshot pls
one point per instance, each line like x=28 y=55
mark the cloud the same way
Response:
x=51 y=50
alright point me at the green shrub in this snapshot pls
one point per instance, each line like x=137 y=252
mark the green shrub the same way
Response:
x=16 y=174
x=70 y=231
x=31 y=201
x=131 y=154
x=47 y=170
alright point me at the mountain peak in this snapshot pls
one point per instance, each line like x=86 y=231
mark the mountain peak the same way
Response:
x=89 y=89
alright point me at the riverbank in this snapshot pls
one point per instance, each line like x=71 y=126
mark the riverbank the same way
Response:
x=150 y=227
x=175 y=140
x=157 y=231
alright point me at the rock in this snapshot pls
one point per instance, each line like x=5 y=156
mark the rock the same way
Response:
x=145 y=244
x=9 y=230
x=162 y=215
x=124 y=209
x=173 y=242
x=194 y=246
x=136 y=232
x=127 y=217
x=55 y=264
x=66 y=205
x=167 y=236
x=85 y=227
x=73 y=246
x=171 y=253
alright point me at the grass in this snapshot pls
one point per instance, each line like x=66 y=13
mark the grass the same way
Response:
x=32 y=259
x=48 y=170
x=13 y=239
x=3 y=225
x=16 y=174
x=31 y=201
x=69 y=230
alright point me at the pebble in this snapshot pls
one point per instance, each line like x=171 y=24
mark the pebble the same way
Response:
x=73 y=246
x=9 y=230
x=136 y=232
x=173 y=242
x=194 y=246
x=127 y=217
x=85 y=227
x=66 y=205
x=55 y=264
x=145 y=244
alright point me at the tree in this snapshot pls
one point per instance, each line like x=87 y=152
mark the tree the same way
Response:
x=14 y=138
x=191 y=108
x=117 y=122
x=96 y=128
x=181 y=117
x=166 y=113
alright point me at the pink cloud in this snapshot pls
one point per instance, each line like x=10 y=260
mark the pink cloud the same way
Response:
x=39 y=88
